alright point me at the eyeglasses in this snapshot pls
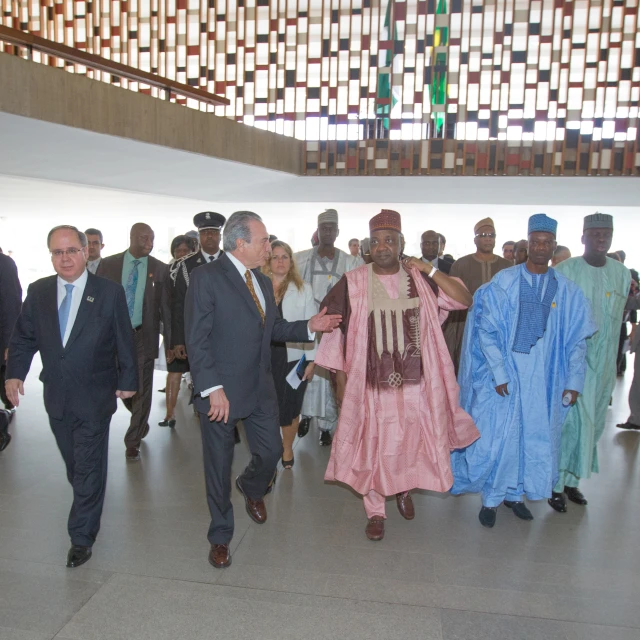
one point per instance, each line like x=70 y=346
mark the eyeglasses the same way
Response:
x=485 y=235
x=72 y=252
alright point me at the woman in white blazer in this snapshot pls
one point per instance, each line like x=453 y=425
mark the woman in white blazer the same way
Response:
x=295 y=301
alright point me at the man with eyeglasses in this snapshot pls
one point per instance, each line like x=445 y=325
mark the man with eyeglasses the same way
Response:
x=80 y=325
x=95 y=245
x=146 y=284
x=474 y=270
x=523 y=365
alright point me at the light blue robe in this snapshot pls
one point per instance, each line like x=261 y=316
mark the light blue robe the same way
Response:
x=517 y=453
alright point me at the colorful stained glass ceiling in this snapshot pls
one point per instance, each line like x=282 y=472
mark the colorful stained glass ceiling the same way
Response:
x=361 y=69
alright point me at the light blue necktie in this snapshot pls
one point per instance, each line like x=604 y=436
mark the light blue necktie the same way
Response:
x=63 y=311
x=130 y=289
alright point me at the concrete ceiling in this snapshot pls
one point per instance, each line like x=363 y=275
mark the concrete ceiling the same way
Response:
x=52 y=152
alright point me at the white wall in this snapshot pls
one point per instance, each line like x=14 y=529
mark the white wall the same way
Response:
x=29 y=208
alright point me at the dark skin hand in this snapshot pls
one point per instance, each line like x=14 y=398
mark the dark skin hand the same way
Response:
x=503 y=391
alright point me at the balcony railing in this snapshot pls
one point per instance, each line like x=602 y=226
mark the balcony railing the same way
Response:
x=30 y=43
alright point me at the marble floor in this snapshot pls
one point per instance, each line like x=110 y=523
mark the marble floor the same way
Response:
x=309 y=572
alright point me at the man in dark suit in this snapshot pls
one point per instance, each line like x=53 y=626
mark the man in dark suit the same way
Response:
x=230 y=320
x=10 y=303
x=431 y=245
x=80 y=325
x=146 y=285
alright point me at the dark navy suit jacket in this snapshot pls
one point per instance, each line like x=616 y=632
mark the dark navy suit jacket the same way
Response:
x=226 y=341
x=82 y=377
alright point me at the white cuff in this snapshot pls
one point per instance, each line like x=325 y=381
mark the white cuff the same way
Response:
x=312 y=334
x=206 y=392
x=433 y=270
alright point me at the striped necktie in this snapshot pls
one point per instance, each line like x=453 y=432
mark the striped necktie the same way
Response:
x=252 y=291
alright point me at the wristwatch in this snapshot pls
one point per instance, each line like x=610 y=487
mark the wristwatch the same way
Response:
x=433 y=270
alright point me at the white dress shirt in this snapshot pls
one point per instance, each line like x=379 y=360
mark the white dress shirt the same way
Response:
x=256 y=285
x=207 y=257
x=92 y=265
x=76 y=298
x=433 y=263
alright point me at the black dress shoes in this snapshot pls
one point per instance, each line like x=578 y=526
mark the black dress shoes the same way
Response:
x=77 y=556
x=575 y=495
x=557 y=502
x=487 y=516
x=519 y=509
x=255 y=508
x=219 y=556
x=326 y=438
x=5 y=436
x=628 y=425
x=303 y=426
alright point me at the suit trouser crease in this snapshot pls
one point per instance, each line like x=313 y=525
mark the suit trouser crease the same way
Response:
x=140 y=404
x=265 y=444
x=84 y=447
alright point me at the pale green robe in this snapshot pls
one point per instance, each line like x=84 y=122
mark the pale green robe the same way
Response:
x=607 y=289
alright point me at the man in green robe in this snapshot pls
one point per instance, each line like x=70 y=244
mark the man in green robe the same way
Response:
x=605 y=283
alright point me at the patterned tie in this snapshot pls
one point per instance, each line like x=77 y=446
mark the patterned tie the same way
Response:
x=252 y=291
x=130 y=289
x=63 y=311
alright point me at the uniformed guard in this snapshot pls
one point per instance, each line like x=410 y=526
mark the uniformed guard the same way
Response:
x=209 y=226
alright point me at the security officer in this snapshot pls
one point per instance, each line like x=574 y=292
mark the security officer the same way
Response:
x=209 y=225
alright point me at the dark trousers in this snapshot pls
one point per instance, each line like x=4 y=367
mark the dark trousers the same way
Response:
x=3 y=394
x=140 y=404
x=84 y=447
x=265 y=443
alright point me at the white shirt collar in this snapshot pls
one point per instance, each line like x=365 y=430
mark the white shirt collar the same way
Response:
x=434 y=262
x=80 y=283
x=237 y=264
x=206 y=255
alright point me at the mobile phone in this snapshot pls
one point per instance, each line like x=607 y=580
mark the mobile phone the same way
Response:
x=302 y=365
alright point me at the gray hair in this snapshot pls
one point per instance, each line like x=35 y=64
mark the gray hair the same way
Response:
x=237 y=228
x=81 y=236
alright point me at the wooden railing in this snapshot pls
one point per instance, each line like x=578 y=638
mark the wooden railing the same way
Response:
x=76 y=56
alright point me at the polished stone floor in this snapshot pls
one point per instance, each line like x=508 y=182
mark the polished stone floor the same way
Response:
x=309 y=572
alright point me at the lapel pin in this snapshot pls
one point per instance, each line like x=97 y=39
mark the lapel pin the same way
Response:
x=89 y=299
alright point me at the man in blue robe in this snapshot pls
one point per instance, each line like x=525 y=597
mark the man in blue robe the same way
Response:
x=523 y=365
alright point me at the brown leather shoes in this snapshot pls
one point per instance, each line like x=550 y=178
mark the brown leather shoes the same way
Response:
x=132 y=454
x=255 y=508
x=375 y=528
x=219 y=556
x=405 y=505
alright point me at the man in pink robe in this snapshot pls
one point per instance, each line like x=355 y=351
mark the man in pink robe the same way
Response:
x=400 y=417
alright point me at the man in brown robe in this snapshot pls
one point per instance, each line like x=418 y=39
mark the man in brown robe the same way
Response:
x=474 y=270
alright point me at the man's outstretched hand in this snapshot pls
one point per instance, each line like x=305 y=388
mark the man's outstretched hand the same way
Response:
x=324 y=323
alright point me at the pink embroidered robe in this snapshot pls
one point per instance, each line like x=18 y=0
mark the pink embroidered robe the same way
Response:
x=393 y=439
